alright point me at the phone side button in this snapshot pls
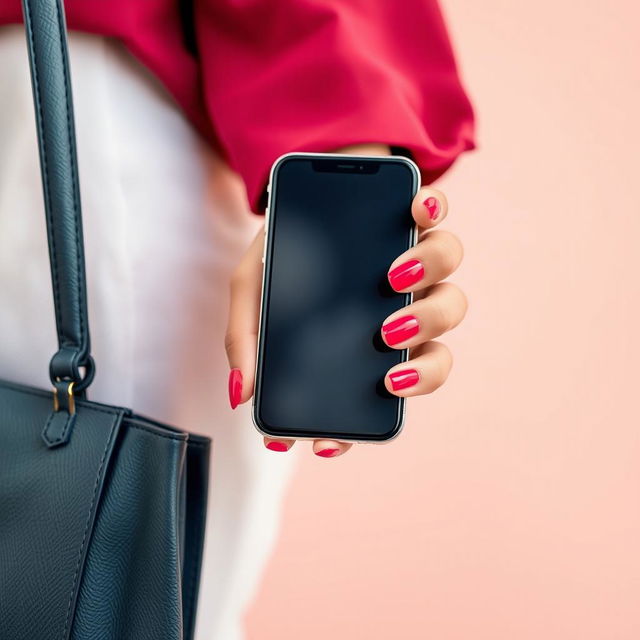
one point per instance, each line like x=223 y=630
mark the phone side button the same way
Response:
x=264 y=242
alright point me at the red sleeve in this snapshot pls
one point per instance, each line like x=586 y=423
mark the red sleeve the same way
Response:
x=315 y=75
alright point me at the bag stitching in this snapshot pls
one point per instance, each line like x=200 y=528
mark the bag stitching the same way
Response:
x=73 y=172
x=115 y=414
x=44 y=394
x=112 y=413
x=45 y=167
x=63 y=436
x=86 y=528
x=155 y=433
x=46 y=427
x=67 y=428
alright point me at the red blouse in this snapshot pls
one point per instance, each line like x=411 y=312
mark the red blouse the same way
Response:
x=273 y=76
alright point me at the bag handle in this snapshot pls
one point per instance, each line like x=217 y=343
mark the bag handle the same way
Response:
x=50 y=80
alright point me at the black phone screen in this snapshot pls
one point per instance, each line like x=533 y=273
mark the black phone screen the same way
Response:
x=335 y=227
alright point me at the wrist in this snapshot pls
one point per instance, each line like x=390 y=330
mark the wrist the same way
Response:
x=369 y=149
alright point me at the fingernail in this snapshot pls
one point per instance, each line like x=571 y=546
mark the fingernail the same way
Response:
x=277 y=446
x=235 y=387
x=433 y=207
x=403 y=379
x=406 y=274
x=400 y=329
x=328 y=453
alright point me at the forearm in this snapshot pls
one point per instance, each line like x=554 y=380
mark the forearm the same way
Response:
x=369 y=149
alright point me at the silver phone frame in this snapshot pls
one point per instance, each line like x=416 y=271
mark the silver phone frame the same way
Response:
x=268 y=239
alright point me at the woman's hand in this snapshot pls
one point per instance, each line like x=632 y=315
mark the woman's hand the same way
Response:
x=437 y=308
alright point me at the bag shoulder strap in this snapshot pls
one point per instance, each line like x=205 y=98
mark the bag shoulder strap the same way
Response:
x=49 y=66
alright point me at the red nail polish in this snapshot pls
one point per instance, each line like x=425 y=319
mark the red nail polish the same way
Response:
x=235 y=387
x=403 y=379
x=406 y=274
x=277 y=446
x=433 y=207
x=327 y=453
x=400 y=329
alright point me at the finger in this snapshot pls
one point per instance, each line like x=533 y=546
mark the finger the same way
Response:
x=242 y=327
x=278 y=444
x=429 y=207
x=441 y=310
x=433 y=259
x=330 y=448
x=427 y=370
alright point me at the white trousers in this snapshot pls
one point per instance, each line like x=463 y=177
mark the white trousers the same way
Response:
x=165 y=220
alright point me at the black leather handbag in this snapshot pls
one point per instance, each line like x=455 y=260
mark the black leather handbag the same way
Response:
x=102 y=511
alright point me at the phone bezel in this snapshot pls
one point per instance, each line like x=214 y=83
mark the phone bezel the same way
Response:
x=266 y=260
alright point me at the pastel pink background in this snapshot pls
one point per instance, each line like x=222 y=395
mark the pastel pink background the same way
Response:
x=510 y=507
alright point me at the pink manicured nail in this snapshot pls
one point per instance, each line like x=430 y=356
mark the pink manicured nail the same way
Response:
x=433 y=207
x=400 y=329
x=277 y=446
x=406 y=274
x=403 y=379
x=235 y=387
x=328 y=453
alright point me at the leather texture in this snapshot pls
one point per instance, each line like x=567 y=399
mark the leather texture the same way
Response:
x=102 y=511
x=100 y=539
x=47 y=46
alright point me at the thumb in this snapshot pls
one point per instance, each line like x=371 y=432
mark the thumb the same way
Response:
x=242 y=327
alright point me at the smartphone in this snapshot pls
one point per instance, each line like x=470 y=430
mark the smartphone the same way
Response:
x=334 y=224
